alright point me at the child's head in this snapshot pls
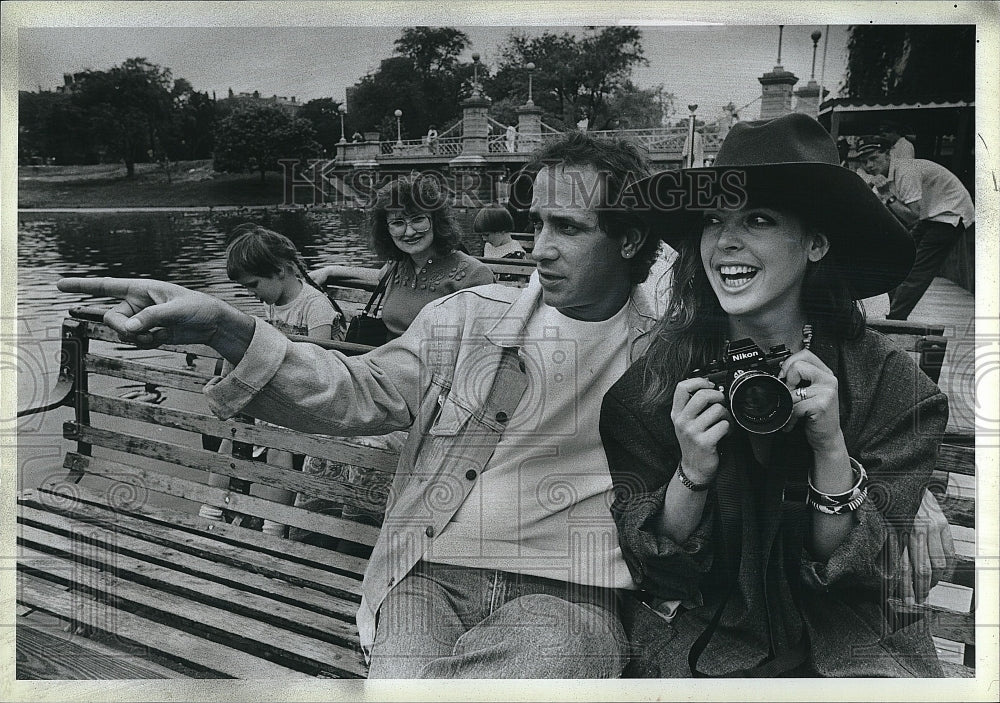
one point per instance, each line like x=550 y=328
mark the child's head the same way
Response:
x=264 y=262
x=492 y=220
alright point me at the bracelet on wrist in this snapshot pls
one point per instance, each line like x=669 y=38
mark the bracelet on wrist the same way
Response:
x=688 y=483
x=840 y=503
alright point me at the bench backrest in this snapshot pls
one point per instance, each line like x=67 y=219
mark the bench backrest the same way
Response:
x=164 y=445
x=164 y=442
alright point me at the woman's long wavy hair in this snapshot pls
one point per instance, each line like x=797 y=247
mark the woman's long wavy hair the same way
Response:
x=694 y=328
x=413 y=194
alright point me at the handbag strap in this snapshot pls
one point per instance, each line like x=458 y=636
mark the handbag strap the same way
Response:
x=375 y=302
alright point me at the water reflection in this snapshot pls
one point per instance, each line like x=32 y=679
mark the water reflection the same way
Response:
x=188 y=249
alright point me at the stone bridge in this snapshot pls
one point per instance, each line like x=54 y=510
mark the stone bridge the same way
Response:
x=476 y=157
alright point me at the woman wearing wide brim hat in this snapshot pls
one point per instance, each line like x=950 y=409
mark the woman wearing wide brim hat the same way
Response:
x=771 y=544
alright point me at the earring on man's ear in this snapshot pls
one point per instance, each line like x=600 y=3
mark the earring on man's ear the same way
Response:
x=627 y=252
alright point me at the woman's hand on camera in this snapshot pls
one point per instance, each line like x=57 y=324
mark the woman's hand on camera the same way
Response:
x=700 y=421
x=815 y=401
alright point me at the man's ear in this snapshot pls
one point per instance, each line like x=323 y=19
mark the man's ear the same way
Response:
x=632 y=241
x=819 y=245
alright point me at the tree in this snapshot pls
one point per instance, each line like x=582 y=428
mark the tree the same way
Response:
x=424 y=80
x=630 y=107
x=324 y=116
x=910 y=63
x=128 y=108
x=575 y=77
x=254 y=137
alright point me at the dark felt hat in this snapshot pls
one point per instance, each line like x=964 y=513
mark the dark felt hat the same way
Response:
x=790 y=161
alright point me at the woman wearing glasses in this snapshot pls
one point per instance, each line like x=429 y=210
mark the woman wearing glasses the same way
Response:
x=412 y=226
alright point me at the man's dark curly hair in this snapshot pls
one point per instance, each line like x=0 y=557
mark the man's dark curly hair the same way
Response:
x=619 y=163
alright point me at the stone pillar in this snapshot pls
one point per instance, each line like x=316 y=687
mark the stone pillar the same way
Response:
x=529 y=127
x=807 y=99
x=776 y=93
x=470 y=181
x=475 y=125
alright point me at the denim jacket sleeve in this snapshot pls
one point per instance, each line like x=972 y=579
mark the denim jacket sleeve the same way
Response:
x=304 y=387
x=897 y=443
x=642 y=464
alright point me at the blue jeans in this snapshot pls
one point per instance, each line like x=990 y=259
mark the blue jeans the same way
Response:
x=445 y=621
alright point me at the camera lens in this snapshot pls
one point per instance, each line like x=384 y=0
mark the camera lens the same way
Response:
x=760 y=403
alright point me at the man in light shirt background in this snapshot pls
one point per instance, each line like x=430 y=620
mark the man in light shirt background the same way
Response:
x=931 y=201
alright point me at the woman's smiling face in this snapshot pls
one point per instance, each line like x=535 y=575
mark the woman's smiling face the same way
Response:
x=411 y=232
x=756 y=257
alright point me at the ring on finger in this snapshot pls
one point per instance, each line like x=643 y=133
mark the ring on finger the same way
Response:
x=801 y=393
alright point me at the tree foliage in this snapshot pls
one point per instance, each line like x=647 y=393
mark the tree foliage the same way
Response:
x=135 y=112
x=324 y=116
x=424 y=80
x=911 y=63
x=254 y=137
x=575 y=78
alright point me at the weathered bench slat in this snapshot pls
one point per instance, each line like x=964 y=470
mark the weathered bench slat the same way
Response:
x=946 y=624
x=333 y=614
x=201 y=493
x=76 y=606
x=280 y=438
x=956 y=459
x=181 y=379
x=111 y=597
x=298 y=563
x=959 y=511
x=255 y=637
x=100 y=331
x=194 y=579
x=44 y=655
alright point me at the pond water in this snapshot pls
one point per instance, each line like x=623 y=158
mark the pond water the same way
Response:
x=185 y=248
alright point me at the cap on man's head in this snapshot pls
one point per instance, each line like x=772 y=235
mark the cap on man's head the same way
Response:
x=872 y=145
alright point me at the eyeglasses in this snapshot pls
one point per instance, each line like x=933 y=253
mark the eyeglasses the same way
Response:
x=419 y=223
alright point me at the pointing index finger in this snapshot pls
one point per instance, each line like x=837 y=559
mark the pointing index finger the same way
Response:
x=105 y=287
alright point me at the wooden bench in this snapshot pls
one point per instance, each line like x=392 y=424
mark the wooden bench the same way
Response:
x=115 y=546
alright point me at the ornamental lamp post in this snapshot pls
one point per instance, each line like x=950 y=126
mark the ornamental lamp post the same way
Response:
x=342 y=109
x=531 y=69
x=815 y=37
x=399 y=132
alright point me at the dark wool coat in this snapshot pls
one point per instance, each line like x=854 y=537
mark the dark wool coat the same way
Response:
x=892 y=417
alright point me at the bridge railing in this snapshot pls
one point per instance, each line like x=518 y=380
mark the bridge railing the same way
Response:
x=446 y=146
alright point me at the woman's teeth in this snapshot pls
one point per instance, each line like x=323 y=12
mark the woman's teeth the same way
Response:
x=736 y=276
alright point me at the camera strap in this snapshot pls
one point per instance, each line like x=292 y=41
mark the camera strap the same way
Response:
x=785 y=520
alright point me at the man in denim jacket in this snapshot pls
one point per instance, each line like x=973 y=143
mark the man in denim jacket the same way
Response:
x=498 y=556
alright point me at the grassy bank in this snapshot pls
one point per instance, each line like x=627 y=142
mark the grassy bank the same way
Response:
x=191 y=183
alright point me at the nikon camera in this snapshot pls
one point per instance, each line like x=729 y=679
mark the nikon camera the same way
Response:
x=758 y=400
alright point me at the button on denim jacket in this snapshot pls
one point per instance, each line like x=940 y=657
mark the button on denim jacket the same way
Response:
x=453 y=379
